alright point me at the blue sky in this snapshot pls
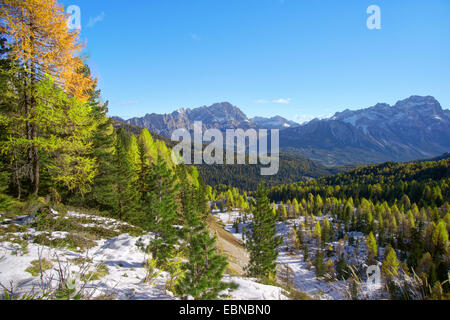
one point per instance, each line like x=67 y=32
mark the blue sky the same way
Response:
x=295 y=58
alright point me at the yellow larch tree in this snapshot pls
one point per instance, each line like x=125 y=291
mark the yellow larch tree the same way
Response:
x=39 y=42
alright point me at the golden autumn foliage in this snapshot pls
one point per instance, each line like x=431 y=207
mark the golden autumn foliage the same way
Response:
x=52 y=90
x=40 y=41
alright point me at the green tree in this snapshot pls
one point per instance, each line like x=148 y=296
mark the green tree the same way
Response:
x=102 y=194
x=205 y=268
x=326 y=231
x=372 y=248
x=319 y=264
x=318 y=231
x=390 y=264
x=440 y=238
x=342 y=269
x=262 y=241
x=126 y=203
x=160 y=210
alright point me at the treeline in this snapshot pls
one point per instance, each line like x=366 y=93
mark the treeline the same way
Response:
x=57 y=142
x=293 y=168
x=425 y=183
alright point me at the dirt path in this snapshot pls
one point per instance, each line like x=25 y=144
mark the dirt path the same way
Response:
x=233 y=248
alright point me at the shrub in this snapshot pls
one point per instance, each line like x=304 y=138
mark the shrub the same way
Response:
x=39 y=266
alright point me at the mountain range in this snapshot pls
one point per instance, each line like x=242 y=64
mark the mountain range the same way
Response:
x=220 y=116
x=417 y=127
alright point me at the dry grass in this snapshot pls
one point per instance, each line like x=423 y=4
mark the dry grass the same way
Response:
x=230 y=247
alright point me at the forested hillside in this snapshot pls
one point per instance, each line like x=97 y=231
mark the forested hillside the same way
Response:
x=74 y=180
x=293 y=168
x=402 y=209
x=59 y=148
x=426 y=183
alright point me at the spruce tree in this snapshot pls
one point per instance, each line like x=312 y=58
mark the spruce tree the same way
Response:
x=262 y=241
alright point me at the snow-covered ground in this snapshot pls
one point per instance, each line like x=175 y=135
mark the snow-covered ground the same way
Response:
x=302 y=273
x=122 y=256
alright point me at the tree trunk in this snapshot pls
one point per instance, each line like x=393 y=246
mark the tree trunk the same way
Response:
x=28 y=133
x=17 y=177
x=36 y=176
x=34 y=128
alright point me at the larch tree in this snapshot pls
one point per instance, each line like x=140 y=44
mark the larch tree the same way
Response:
x=40 y=43
x=391 y=264
x=440 y=238
x=149 y=147
x=126 y=201
x=372 y=248
x=65 y=129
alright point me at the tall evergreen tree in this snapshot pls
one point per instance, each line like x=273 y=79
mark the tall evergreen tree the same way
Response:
x=160 y=210
x=125 y=203
x=102 y=194
x=205 y=268
x=262 y=241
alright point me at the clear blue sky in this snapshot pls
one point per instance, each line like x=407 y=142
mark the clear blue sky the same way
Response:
x=293 y=58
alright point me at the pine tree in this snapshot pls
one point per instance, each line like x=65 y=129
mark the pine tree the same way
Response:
x=348 y=212
x=262 y=241
x=143 y=168
x=205 y=268
x=319 y=264
x=13 y=157
x=342 y=269
x=204 y=271
x=160 y=210
x=326 y=231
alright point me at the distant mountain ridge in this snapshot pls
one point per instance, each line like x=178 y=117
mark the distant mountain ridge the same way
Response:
x=220 y=116
x=417 y=127
x=413 y=128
